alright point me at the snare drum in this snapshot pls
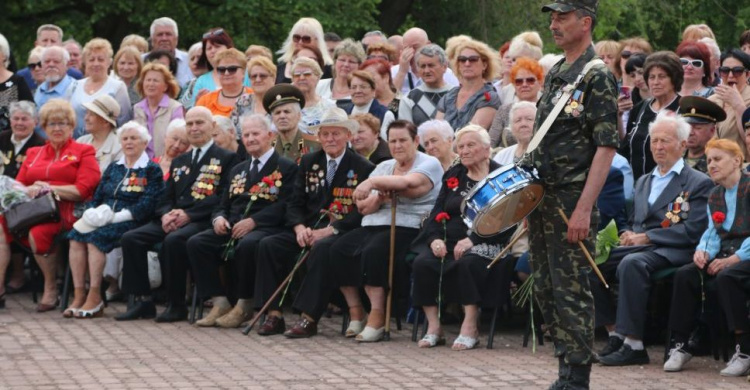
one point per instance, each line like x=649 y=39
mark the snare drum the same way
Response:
x=502 y=200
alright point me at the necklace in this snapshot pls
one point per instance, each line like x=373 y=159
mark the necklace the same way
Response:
x=232 y=97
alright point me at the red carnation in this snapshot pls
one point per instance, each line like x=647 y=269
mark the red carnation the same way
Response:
x=442 y=217
x=487 y=96
x=335 y=206
x=718 y=217
x=269 y=182
x=452 y=183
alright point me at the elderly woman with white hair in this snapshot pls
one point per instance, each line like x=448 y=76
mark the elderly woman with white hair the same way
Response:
x=462 y=259
x=224 y=134
x=436 y=137
x=12 y=86
x=125 y=198
x=175 y=144
x=521 y=120
x=307 y=31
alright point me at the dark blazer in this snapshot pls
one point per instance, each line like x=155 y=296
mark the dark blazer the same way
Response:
x=611 y=201
x=376 y=109
x=677 y=241
x=265 y=212
x=12 y=162
x=381 y=153
x=311 y=194
x=182 y=188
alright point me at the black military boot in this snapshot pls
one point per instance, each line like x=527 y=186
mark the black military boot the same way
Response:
x=563 y=373
x=578 y=378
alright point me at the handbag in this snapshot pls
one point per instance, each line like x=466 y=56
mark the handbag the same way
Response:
x=23 y=216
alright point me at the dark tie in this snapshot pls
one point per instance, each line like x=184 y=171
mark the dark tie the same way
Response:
x=195 y=158
x=254 y=171
x=331 y=171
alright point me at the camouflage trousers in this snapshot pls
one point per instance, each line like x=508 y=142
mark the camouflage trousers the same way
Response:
x=561 y=284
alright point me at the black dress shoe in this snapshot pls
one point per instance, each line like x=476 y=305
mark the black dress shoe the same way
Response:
x=272 y=325
x=173 y=313
x=613 y=344
x=625 y=356
x=140 y=309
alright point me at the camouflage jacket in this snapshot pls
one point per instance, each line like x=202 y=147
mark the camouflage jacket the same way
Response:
x=588 y=120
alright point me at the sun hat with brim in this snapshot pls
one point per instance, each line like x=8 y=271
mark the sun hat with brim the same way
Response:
x=93 y=219
x=106 y=107
x=336 y=117
x=565 y=6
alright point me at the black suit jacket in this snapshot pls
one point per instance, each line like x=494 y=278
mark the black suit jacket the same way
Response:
x=12 y=159
x=381 y=153
x=311 y=193
x=265 y=212
x=183 y=186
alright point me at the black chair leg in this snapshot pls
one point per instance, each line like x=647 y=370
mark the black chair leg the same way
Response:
x=67 y=284
x=415 y=327
x=527 y=331
x=493 y=322
x=193 y=305
x=345 y=319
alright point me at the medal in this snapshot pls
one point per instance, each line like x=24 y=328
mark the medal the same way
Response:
x=568 y=110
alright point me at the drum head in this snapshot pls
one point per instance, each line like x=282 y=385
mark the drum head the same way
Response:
x=509 y=211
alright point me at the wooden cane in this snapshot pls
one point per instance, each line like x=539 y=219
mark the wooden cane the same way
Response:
x=508 y=248
x=586 y=252
x=283 y=284
x=392 y=255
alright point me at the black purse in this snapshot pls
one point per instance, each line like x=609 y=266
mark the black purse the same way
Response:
x=22 y=217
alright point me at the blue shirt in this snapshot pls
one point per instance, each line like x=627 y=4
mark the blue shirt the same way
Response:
x=711 y=242
x=659 y=182
x=63 y=89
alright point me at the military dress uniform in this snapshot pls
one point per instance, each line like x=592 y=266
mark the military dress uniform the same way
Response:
x=207 y=249
x=9 y=159
x=563 y=159
x=195 y=189
x=294 y=150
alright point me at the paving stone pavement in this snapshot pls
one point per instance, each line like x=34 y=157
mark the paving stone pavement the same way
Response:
x=46 y=351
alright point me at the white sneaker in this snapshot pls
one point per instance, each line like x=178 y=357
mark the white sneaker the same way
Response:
x=739 y=365
x=677 y=358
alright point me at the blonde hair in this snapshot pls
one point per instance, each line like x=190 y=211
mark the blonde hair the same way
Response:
x=232 y=54
x=695 y=32
x=264 y=63
x=55 y=108
x=526 y=44
x=308 y=62
x=452 y=43
x=131 y=51
x=488 y=56
x=95 y=45
x=138 y=42
x=172 y=87
x=257 y=50
x=316 y=29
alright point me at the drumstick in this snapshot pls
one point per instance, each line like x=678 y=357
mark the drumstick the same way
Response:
x=586 y=252
x=508 y=247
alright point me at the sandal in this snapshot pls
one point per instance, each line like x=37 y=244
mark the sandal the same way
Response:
x=98 y=311
x=465 y=343
x=370 y=335
x=354 y=328
x=71 y=312
x=431 y=340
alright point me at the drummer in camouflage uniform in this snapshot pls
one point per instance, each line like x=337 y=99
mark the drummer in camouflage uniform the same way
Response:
x=573 y=161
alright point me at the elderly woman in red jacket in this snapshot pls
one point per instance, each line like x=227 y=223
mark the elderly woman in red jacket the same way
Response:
x=71 y=172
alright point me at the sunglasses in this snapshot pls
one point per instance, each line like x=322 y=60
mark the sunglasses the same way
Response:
x=228 y=69
x=35 y=65
x=471 y=59
x=737 y=71
x=260 y=76
x=694 y=63
x=214 y=33
x=304 y=38
x=528 y=80
x=625 y=54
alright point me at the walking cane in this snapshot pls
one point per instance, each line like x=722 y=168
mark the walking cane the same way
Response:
x=392 y=255
x=508 y=247
x=276 y=293
x=586 y=252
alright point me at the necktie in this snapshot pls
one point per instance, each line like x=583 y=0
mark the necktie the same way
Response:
x=331 y=171
x=254 y=171
x=195 y=157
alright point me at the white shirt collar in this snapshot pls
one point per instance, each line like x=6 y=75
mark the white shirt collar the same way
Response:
x=676 y=168
x=263 y=158
x=18 y=145
x=362 y=109
x=337 y=159
x=140 y=163
x=203 y=149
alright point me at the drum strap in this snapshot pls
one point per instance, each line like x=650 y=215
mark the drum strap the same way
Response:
x=567 y=92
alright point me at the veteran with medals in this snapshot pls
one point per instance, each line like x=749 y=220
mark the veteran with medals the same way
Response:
x=15 y=142
x=669 y=216
x=326 y=176
x=251 y=208
x=702 y=115
x=192 y=192
x=284 y=103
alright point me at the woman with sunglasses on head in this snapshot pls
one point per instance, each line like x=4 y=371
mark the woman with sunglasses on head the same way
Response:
x=527 y=77
x=307 y=31
x=475 y=99
x=631 y=46
x=733 y=95
x=695 y=58
x=214 y=41
x=230 y=66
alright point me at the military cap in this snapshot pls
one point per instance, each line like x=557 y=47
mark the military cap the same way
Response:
x=572 y=5
x=696 y=109
x=282 y=94
x=746 y=119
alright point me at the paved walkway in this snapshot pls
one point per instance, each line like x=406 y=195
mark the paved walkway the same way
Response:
x=46 y=351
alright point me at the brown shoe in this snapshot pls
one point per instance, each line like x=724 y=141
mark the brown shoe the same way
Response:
x=304 y=328
x=272 y=325
x=233 y=319
x=215 y=313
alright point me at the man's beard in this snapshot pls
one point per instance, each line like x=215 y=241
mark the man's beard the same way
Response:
x=53 y=78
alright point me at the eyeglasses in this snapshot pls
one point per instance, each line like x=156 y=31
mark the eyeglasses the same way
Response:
x=260 y=76
x=363 y=87
x=694 y=63
x=299 y=75
x=625 y=54
x=230 y=70
x=350 y=62
x=35 y=65
x=304 y=38
x=53 y=125
x=737 y=71
x=471 y=59
x=214 y=33
x=528 y=80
